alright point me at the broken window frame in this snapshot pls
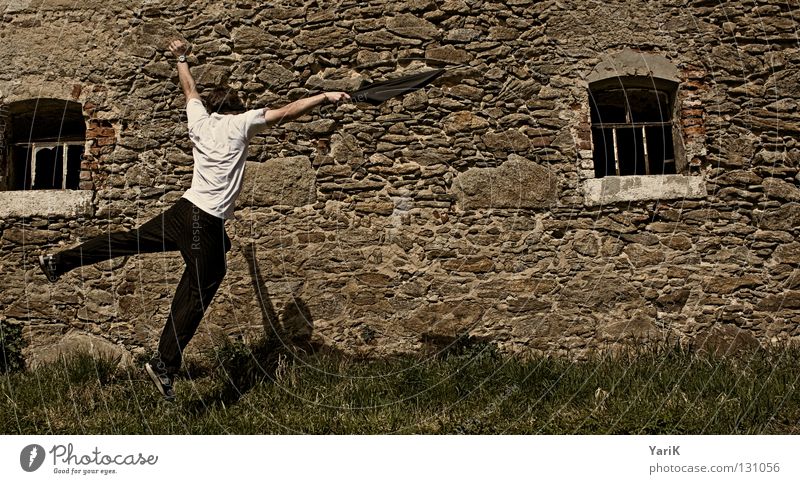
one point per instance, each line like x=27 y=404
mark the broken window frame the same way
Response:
x=35 y=147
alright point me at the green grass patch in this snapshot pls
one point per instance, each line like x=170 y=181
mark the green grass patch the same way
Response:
x=11 y=345
x=470 y=389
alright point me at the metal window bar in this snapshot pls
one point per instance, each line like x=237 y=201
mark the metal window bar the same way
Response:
x=646 y=158
x=616 y=150
x=642 y=126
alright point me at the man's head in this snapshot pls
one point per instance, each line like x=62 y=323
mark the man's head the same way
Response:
x=223 y=101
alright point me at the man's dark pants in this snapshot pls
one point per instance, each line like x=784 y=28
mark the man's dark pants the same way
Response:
x=203 y=243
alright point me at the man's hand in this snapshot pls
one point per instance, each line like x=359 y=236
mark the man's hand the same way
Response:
x=179 y=47
x=335 y=97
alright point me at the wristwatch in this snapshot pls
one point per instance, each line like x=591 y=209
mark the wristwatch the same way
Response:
x=182 y=58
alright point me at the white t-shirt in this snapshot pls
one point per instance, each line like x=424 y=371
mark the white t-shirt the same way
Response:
x=220 y=149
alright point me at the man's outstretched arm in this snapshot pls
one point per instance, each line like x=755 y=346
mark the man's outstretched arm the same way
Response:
x=180 y=48
x=301 y=106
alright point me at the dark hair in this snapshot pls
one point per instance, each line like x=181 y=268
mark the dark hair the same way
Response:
x=222 y=100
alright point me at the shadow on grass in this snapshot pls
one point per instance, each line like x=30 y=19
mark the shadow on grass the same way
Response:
x=642 y=390
x=241 y=366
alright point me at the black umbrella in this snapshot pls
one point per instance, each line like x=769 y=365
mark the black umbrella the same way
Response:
x=378 y=92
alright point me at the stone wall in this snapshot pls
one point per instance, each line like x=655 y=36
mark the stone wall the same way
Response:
x=459 y=209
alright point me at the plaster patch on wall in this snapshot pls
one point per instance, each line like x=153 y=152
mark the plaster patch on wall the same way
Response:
x=612 y=189
x=46 y=203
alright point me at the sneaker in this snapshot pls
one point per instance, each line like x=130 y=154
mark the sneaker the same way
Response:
x=163 y=381
x=48 y=265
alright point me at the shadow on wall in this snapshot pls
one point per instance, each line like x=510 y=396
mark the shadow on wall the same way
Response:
x=291 y=332
x=241 y=366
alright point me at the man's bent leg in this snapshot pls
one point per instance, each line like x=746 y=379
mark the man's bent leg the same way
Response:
x=192 y=298
x=204 y=251
x=156 y=235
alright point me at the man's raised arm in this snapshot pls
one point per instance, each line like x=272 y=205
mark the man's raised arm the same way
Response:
x=180 y=49
x=301 y=106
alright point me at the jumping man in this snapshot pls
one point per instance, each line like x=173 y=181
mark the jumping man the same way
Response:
x=195 y=224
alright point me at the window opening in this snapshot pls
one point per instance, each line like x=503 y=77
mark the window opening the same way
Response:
x=632 y=131
x=47 y=145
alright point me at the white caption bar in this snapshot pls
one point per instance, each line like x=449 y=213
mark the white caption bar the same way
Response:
x=400 y=459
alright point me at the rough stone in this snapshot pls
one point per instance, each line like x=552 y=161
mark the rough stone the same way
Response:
x=444 y=319
x=787 y=300
x=210 y=75
x=723 y=340
x=345 y=148
x=322 y=37
x=462 y=35
x=586 y=243
x=738 y=177
x=788 y=253
x=519 y=305
x=673 y=301
x=511 y=139
x=26 y=237
x=343 y=81
x=79 y=343
x=447 y=54
x=728 y=285
x=597 y=291
x=640 y=256
x=409 y=25
x=380 y=208
x=275 y=75
x=503 y=33
x=278 y=181
x=384 y=39
x=462 y=121
x=785 y=218
x=782 y=190
x=253 y=38
x=517 y=183
x=640 y=327
x=472 y=264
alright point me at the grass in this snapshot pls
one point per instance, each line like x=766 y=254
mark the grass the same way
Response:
x=470 y=389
